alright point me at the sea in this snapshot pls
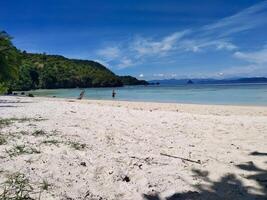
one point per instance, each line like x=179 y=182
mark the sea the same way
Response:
x=221 y=94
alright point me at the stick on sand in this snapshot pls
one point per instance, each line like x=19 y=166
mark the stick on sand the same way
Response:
x=184 y=159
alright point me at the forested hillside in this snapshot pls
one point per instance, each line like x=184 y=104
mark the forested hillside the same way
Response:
x=25 y=71
x=50 y=71
x=129 y=80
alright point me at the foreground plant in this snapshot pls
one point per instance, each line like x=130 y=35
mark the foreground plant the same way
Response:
x=21 y=149
x=4 y=122
x=16 y=187
x=77 y=145
x=2 y=140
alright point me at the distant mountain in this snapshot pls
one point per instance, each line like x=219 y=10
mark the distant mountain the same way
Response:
x=239 y=80
x=209 y=81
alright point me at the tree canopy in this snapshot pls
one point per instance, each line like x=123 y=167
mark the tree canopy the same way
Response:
x=9 y=58
x=53 y=71
x=9 y=61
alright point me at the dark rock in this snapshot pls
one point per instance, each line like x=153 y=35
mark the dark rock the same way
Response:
x=126 y=179
x=83 y=164
x=9 y=92
x=30 y=95
x=190 y=82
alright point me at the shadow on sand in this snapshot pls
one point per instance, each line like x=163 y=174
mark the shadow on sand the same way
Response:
x=229 y=187
x=8 y=106
x=11 y=103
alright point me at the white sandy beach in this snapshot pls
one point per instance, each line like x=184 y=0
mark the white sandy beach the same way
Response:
x=133 y=150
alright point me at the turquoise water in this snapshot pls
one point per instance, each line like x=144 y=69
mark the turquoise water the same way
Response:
x=236 y=94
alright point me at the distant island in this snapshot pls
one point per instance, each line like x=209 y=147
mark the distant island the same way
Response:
x=208 y=81
x=190 y=82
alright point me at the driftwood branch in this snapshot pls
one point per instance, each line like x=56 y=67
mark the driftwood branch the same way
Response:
x=184 y=159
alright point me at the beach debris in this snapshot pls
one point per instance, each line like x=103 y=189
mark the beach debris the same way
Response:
x=90 y=196
x=126 y=179
x=183 y=159
x=147 y=160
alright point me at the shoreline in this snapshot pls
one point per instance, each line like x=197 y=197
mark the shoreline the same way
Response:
x=147 y=105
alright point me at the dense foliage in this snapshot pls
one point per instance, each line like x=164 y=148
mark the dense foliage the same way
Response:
x=9 y=60
x=51 y=71
x=129 y=80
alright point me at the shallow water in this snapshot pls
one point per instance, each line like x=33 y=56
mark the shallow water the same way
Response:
x=236 y=94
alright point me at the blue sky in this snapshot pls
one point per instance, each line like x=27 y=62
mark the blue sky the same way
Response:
x=149 y=39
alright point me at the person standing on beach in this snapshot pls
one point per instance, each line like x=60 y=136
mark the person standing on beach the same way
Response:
x=113 y=94
x=81 y=95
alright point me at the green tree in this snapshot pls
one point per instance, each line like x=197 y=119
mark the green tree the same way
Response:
x=9 y=60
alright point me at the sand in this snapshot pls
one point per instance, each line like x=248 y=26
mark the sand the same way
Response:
x=132 y=150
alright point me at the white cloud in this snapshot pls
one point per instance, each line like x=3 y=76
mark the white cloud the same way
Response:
x=109 y=53
x=198 y=45
x=178 y=42
x=211 y=37
x=158 y=75
x=104 y=63
x=226 y=45
x=125 y=62
x=247 y=19
x=258 y=57
x=145 y=46
x=257 y=64
x=247 y=70
x=141 y=75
